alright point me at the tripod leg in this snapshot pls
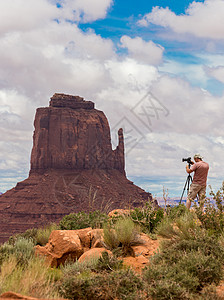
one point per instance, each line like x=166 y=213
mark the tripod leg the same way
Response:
x=189 y=179
x=183 y=192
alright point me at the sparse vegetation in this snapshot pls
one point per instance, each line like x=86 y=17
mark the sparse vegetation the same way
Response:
x=22 y=249
x=43 y=234
x=212 y=218
x=34 y=279
x=101 y=284
x=123 y=233
x=189 y=260
x=147 y=217
x=39 y=236
x=189 y=264
x=80 y=220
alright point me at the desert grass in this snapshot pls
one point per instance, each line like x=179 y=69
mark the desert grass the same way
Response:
x=34 y=279
x=43 y=234
x=124 y=233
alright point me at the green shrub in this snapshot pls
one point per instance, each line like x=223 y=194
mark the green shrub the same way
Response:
x=122 y=284
x=76 y=287
x=22 y=249
x=148 y=217
x=108 y=262
x=161 y=287
x=126 y=231
x=190 y=259
x=43 y=234
x=5 y=250
x=205 y=268
x=110 y=237
x=80 y=220
x=184 y=227
x=186 y=275
x=73 y=268
x=28 y=234
x=176 y=211
x=123 y=233
x=39 y=236
x=212 y=218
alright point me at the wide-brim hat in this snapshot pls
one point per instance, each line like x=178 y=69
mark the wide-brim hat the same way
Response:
x=197 y=155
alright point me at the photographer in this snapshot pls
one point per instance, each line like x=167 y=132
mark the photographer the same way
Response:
x=198 y=186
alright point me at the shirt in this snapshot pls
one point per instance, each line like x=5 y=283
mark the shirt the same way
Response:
x=200 y=172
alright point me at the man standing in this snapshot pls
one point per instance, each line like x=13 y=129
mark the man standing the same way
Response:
x=198 y=186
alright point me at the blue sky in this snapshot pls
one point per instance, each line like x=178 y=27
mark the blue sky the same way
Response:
x=127 y=57
x=122 y=20
x=122 y=17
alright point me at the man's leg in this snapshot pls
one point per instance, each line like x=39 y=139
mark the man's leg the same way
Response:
x=201 y=196
x=193 y=191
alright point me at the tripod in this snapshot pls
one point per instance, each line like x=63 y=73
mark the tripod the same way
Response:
x=187 y=184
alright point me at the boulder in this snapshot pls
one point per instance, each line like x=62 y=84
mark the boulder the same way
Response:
x=94 y=253
x=119 y=212
x=84 y=236
x=96 y=237
x=62 y=245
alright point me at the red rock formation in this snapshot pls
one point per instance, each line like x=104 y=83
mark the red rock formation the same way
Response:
x=73 y=168
x=67 y=137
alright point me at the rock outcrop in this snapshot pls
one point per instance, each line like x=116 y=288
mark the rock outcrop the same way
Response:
x=80 y=245
x=73 y=168
x=71 y=134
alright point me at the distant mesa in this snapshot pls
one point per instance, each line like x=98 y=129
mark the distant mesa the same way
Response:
x=73 y=168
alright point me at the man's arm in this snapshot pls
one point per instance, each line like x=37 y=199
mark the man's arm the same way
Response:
x=188 y=169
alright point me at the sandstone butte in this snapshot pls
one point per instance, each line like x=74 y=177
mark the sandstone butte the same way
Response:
x=73 y=168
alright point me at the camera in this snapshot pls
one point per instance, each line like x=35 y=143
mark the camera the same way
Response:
x=187 y=160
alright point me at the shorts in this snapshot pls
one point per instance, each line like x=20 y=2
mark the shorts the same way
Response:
x=196 y=189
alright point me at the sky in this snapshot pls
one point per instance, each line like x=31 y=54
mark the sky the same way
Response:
x=156 y=68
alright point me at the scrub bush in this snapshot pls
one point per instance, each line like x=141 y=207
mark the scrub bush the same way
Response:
x=120 y=284
x=212 y=218
x=124 y=233
x=81 y=220
x=190 y=259
x=147 y=217
x=22 y=249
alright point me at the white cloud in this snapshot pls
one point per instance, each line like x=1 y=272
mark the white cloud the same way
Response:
x=191 y=126
x=23 y=15
x=217 y=73
x=60 y=53
x=146 y=52
x=202 y=19
x=85 y=10
x=193 y=72
x=39 y=57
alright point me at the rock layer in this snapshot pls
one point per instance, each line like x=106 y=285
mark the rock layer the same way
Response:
x=73 y=168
